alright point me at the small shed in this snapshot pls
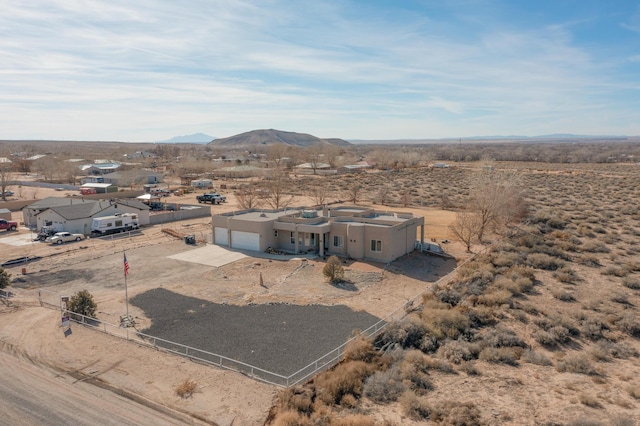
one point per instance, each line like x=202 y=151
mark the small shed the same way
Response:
x=101 y=188
x=5 y=214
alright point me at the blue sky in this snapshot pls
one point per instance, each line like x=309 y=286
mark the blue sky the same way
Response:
x=149 y=70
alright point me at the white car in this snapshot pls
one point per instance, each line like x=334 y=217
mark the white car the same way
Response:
x=64 y=237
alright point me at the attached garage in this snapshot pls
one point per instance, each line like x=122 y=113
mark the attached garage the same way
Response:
x=245 y=240
x=221 y=236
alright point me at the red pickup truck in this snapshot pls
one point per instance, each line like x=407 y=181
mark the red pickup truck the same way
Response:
x=8 y=225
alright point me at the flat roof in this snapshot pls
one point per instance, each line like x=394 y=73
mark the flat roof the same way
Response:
x=258 y=216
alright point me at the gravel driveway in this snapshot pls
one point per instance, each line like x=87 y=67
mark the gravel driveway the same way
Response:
x=280 y=338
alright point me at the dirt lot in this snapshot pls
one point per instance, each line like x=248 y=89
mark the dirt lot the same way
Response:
x=223 y=397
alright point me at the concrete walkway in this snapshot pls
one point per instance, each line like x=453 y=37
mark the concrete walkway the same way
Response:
x=211 y=255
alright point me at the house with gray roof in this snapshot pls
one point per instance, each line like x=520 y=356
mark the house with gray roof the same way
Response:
x=75 y=214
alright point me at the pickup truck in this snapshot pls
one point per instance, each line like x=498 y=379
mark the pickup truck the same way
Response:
x=8 y=225
x=213 y=198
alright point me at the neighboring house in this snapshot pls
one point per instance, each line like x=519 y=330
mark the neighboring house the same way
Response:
x=132 y=177
x=101 y=188
x=100 y=168
x=355 y=232
x=75 y=215
x=310 y=166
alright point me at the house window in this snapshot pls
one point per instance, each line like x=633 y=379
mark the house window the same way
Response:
x=293 y=239
x=337 y=241
x=275 y=233
x=313 y=239
x=376 y=245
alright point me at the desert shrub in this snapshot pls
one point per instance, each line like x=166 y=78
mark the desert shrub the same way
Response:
x=606 y=349
x=551 y=337
x=384 y=386
x=5 y=278
x=631 y=282
x=592 y=328
x=502 y=336
x=595 y=247
x=455 y=413
x=589 y=260
x=415 y=407
x=360 y=349
x=186 y=389
x=620 y=297
x=634 y=391
x=508 y=356
x=291 y=418
x=413 y=370
x=346 y=378
x=562 y=295
x=565 y=275
x=504 y=259
x=333 y=269
x=578 y=363
x=495 y=298
x=564 y=321
x=536 y=358
x=544 y=261
x=477 y=274
x=630 y=324
x=296 y=399
x=618 y=271
x=469 y=368
x=456 y=351
x=589 y=400
x=82 y=303
x=449 y=323
x=481 y=316
x=407 y=333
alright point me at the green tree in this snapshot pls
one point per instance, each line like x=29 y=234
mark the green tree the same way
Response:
x=5 y=278
x=82 y=303
x=333 y=269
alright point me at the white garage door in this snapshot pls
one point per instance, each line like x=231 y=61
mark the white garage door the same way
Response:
x=245 y=240
x=222 y=236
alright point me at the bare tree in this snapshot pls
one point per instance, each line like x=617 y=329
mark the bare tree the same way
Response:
x=382 y=194
x=314 y=155
x=319 y=194
x=466 y=227
x=277 y=188
x=48 y=166
x=354 y=192
x=405 y=198
x=6 y=176
x=278 y=154
x=496 y=199
x=248 y=198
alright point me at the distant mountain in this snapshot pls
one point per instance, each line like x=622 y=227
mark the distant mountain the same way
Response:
x=195 y=138
x=271 y=136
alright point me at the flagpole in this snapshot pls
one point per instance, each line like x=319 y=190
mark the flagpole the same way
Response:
x=126 y=290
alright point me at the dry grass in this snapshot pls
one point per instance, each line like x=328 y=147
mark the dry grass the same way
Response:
x=186 y=389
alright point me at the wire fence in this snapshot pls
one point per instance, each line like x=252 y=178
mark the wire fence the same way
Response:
x=54 y=300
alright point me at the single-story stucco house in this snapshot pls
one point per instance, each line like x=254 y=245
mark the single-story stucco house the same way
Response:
x=355 y=232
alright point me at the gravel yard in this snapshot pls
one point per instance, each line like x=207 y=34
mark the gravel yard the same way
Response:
x=280 y=338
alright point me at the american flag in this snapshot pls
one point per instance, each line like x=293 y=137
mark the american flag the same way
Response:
x=126 y=265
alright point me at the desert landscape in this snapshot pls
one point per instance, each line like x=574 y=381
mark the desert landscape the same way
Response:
x=537 y=323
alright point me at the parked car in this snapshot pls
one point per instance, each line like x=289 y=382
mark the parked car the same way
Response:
x=8 y=225
x=64 y=237
x=8 y=193
x=213 y=198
